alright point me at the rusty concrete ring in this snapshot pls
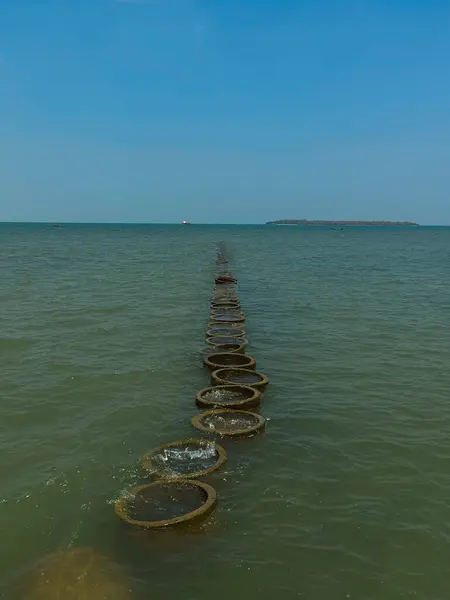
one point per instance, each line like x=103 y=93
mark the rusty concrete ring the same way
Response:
x=197 y=422
x=148 y=464
x=201 y=513
x=227 y=339
x=242 y=361
x=252 y=399
x=217 y=379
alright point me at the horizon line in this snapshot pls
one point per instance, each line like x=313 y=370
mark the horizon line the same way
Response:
x=192 y=224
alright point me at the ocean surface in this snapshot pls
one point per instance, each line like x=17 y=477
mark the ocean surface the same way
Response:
x=345 y=495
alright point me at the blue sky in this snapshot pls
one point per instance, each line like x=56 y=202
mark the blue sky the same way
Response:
x=224 y=110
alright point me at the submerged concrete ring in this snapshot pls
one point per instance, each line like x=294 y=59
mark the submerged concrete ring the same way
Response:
x=218 y=361
x=197 y=422
x=148 y=463
x=231 y=318
x=234 y=310
x=225 y=306
x=237 y=348
x=234 y=302
x=220 y=340
x=222 y=316
x=225 y=293
x=230 y=298
x=231 y=332
x=218 y=377
x=220 y=325
x=201 y=513
x=251 y=400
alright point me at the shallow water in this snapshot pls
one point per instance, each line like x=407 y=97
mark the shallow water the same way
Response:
x=345 y=495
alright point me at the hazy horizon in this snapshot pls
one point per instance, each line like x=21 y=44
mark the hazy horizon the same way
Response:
x=212 y=224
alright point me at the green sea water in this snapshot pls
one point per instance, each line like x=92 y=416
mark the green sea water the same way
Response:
x=345 y=495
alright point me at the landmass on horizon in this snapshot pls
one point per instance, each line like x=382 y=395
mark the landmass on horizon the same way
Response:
x=341 y=223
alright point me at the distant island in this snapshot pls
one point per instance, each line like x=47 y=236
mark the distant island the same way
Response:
x=344 y=223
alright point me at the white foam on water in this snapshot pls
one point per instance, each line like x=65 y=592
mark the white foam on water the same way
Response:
x=207 y=451
x=219 y=422
x=219 y=395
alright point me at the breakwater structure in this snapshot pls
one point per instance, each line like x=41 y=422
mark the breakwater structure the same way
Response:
x=175 y=494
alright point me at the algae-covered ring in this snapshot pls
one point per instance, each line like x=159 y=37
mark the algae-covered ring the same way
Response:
x=227 y=316
x=227 y=324
x=224 y=307
x=234 y=348
x=240 y=377
x=224 y=279
x=229 y=360
x=231 y=318
x=121 y=505
x=256 y=422
x=235 y=396
x=225 y=299
x=227 y=312
x=225 y=304
x=225 y=331
x=224 y=284
x=220 y=340
x=225 y=291
x=221 y=298
x=217 y=325
x=229 y=296
x=149 y=461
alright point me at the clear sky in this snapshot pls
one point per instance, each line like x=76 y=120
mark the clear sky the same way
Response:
x=224 y=110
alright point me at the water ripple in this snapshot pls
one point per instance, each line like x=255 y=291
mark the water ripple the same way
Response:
x=347 y=492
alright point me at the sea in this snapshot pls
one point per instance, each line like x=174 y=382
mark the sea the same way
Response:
x=347 y=492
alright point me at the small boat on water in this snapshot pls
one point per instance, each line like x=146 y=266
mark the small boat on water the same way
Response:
x=185 y=223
